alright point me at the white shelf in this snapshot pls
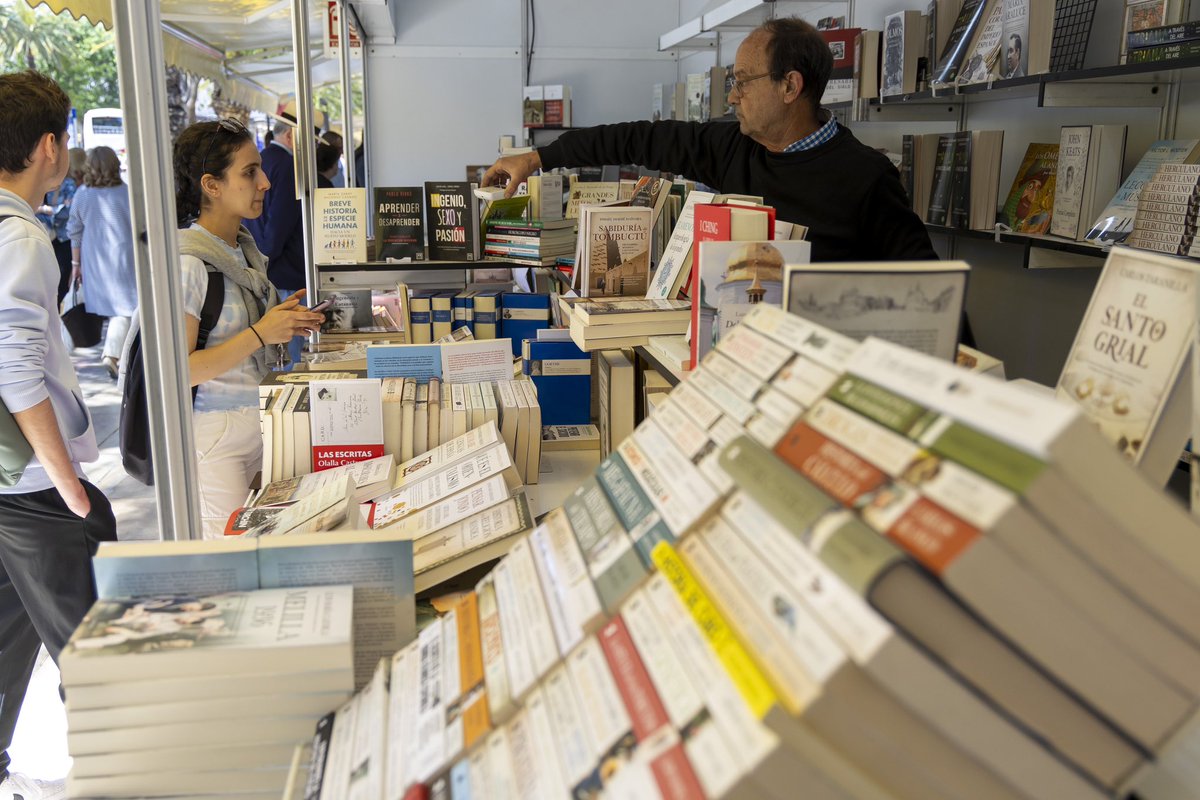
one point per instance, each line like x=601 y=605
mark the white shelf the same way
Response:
x=739 y=14
x=672 y=40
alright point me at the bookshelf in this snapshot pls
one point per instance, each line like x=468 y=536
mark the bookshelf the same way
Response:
x=1040 y=251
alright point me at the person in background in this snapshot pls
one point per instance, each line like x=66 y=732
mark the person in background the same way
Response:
x=55 y=212
x=335 y=140
x=278 y=229
x=52 y=520
x=219 y=181
x=784 y=148
x=102 y=249
x=329 y=158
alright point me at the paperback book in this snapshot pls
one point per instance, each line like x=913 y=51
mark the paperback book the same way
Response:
x=399 y=230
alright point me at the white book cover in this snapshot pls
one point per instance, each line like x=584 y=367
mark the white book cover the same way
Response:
x=446 y=453
x=430 y=741
x=491 y=640
x=492 y=524
x=340 y=226
x=917 y=304
x=369 y=745
x=601 y=707
x=754 y=352
x=1130 y=350
x=143 y=638
x=514 y=631
x=535 y=616
x=347 y=421
x=402 y=717
x=454 y=508
x=576 y=752
x=826 y=347
x=677 y=255
x=440 y=484
x=376 y=472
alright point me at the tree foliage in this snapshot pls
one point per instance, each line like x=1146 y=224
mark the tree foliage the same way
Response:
x=80 y=56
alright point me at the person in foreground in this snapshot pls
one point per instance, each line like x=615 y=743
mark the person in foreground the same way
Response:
x=52 y=520
x=219 y=182
x=785 y=148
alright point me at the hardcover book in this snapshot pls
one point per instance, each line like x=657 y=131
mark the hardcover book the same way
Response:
x=340 y=225
x=970 y=19
x=903 y=43
x=987 y=48
x=399 y=232
x=731 y=278
x=562 y=374
x=842 y=86
x=917 y=304
x=452 y=214
x=1089 y=171
x=615 y=251
x=350 y=309
x=1030 y=202
x=1015 y=38
x=1127 y=363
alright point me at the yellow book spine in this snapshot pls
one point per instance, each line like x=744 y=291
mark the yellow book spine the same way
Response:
x=746 y=676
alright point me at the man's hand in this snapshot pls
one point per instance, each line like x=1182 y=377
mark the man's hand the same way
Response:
x=76 y=498
x=514 y=170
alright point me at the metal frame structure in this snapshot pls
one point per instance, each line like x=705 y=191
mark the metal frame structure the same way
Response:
x=141 y=68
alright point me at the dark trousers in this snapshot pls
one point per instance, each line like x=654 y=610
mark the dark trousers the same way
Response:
x=46 y=586
x=62 y=252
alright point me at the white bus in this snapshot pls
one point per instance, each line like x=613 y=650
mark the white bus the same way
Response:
x=105 y=126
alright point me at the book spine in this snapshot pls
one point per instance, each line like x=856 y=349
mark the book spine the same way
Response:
x=708 y=748
x=754 y=351
x=643 y=524
x=577 y=754
x=566 y=634
x=431 y=720
x=612 y=561
x=672 y=770
x=734 y=406
x=534 y=615
x=602 y=710
x=751 y=684
x=580 y=601
x=1164 y=52
x=517 y=656
x=475 y=719
x=1164 y=34
x=542 y=737
x=495 y=664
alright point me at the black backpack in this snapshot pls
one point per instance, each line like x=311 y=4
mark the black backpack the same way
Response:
x=135 y=415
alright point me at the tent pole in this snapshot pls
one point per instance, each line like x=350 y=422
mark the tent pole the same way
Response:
x=304 y=141
x=347 y=90
x=138 y=29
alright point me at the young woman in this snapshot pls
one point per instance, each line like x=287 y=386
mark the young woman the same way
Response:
x=218 y=183
x=102 y=248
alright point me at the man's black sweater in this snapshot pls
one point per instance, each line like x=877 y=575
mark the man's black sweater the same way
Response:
x=848 y=195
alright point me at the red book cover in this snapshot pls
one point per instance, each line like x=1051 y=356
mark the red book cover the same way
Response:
x=672 y=770
x=721 y=222
x=840 y=88
x=843 y=475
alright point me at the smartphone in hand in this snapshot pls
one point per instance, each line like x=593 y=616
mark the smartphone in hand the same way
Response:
x=324 y=304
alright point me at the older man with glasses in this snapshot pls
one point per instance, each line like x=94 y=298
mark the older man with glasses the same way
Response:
x=785 y=148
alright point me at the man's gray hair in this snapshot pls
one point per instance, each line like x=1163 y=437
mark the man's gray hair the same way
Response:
x=281 y=128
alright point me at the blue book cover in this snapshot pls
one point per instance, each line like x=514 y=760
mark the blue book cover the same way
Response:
x=562 y=374
x=443 y=314
x=460 y=311
x=523 y=314
x=379 y=568
x=460 y=781
x=420 y=361
x=176 y=568
x=469 y=312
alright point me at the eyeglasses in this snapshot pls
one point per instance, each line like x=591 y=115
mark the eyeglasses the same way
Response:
x=229 y=126
x=739 y=85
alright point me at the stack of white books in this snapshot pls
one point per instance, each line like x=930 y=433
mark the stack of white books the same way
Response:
x=809 y=539
x=202 y=695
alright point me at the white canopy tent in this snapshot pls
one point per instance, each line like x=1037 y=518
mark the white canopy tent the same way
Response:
x=256 y=50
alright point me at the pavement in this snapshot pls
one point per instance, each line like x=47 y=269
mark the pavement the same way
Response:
x=39 y=747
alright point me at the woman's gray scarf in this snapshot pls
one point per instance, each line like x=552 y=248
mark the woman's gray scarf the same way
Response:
x=257 y=292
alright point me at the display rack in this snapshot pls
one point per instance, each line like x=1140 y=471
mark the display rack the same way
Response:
x=1042 y=251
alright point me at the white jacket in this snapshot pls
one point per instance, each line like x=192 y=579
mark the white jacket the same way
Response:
x=34 y=362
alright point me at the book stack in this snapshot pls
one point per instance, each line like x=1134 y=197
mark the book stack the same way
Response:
x=202 y=694
x=1166 y=210
x=464 y=519
x=395 y=419
x=534 y=243
x=625 y=323
x=1163 y=43
x=808 y=539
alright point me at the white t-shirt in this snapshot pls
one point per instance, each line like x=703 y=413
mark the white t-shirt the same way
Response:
x=237 y=388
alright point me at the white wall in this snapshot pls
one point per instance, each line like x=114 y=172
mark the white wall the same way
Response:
x=451 y=86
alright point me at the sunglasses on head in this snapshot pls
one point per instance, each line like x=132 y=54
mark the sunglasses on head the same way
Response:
x=229 y=126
